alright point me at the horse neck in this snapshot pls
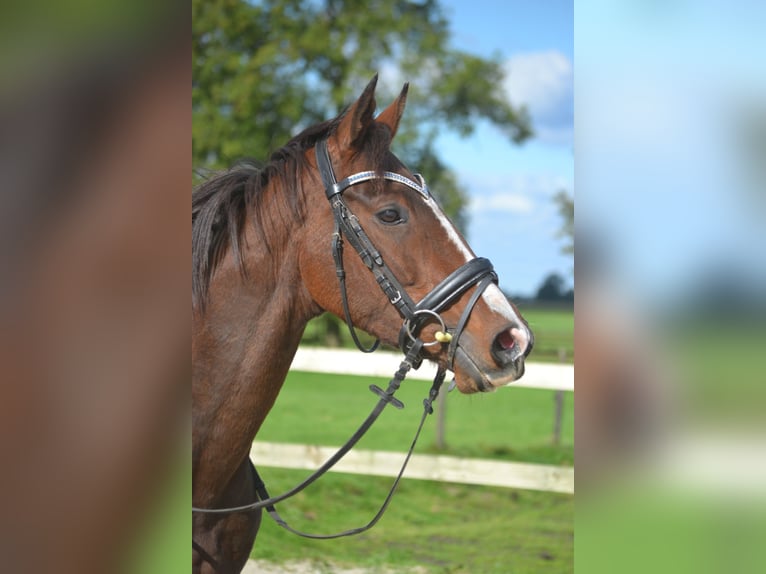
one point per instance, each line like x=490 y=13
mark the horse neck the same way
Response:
x=243 y=345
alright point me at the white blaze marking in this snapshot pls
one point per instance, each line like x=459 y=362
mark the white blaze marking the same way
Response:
x=450 y=229
x=493 y=296
x=498 y=303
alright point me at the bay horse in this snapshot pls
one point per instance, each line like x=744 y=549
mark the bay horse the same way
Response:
x=262 y=266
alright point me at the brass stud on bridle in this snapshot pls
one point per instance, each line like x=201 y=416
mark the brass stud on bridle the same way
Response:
x=441 y=336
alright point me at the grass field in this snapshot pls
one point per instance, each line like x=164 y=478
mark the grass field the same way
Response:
x=553 y=329
x=162 y=544
x=554 y=333
x=439 y=527
x=442 y=527
x=510 y=424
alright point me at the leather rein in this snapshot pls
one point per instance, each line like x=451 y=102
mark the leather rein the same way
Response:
x=476 y=272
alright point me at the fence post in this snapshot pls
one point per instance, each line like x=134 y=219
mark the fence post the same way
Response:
x=558 y=398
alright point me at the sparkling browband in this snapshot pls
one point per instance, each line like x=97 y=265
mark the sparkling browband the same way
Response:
x=421 y=187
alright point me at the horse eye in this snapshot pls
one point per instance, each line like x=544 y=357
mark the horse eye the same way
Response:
x=390 y=216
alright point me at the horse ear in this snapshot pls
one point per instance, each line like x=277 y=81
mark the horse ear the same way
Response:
x=393 y=113
x=358 y=117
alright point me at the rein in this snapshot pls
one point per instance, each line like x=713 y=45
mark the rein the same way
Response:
x=476 y=272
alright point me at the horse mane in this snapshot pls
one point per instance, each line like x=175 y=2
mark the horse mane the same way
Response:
x=222 y=203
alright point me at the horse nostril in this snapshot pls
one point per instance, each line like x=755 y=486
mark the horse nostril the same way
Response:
x=509 y=345
x=505 y=340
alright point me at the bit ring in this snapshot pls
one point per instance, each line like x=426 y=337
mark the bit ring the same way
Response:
x=433 y=314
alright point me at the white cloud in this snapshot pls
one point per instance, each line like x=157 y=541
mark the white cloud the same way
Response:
x=509 y=202
x=518 y=193
x=542 y=185
x=544 y=82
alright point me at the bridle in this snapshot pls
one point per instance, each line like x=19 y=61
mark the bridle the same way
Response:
x=416 y=315
x=476 y=272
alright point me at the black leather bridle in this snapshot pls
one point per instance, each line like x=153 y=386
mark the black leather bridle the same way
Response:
x=476 y=272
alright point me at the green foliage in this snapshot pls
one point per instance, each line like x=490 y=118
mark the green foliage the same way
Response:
x=565 y=204
x=553 y=288
x=263 y=70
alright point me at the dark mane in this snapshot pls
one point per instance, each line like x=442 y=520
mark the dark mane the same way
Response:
x=221 y=204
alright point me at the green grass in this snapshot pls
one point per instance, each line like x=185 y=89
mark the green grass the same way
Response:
x=509 y=424
x=722 y=369
x=634 y=528
x=553 y=329
x=554 y=333
x=442 y=527
x=162 y=544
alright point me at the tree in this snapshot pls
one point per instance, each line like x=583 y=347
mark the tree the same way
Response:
x=263 y=70
x=552 y=289
x=565 y=205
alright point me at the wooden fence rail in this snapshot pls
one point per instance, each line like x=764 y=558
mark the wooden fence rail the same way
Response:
x=425 y=467
x=383 y=364
x=422 y=466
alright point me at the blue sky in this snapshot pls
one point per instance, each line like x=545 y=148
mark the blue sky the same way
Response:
x=660 y=87
x=513 y=220
x=661 y=90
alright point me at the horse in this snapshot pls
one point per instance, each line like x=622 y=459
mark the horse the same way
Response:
x=267 y=257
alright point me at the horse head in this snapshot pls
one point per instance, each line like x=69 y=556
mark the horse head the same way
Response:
x=433 y=282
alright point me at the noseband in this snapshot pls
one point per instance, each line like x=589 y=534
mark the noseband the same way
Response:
x=478 y=271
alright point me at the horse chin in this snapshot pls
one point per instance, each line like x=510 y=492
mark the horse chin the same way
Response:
x=470 y=377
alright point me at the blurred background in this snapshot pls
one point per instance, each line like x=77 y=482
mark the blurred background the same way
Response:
x=671 y=279
x=94 y=202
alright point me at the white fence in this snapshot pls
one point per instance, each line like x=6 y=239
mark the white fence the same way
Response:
x=384 y=364
x=426 y=467
x=421 y=466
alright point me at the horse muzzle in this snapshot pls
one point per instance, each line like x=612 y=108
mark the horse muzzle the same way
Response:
x=477 y=371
